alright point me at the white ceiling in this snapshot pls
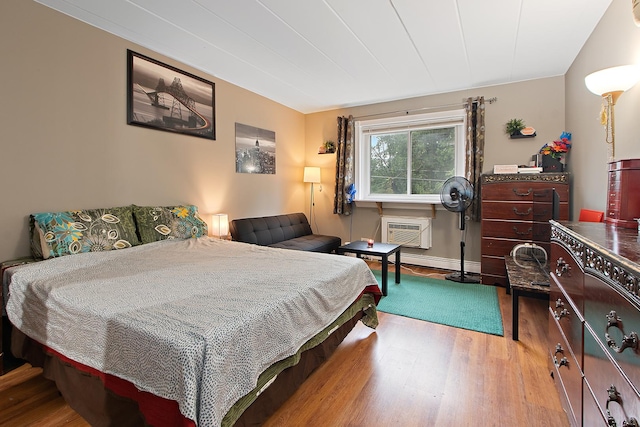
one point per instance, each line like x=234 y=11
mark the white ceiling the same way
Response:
x=314 y=55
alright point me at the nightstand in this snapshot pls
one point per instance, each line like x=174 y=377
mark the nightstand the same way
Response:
x=7 y=361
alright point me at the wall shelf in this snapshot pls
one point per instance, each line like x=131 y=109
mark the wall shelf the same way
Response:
x=516 y=136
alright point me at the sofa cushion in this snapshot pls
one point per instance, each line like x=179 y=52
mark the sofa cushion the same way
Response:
x=311 y=243
x=268 y=230
x=289 y=231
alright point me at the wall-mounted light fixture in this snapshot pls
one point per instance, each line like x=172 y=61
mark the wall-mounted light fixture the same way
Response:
x=220 y=225
x=312 y=175
x=610 y=83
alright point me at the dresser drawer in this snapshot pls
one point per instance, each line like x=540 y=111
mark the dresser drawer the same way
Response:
x=517 y=211
x=507 y=229
x=542 y=231
x=567 y=373
x=567 y=319
x=612 y=318
x=543 y=212
x=611 y=390
x=494 y=266
x=494 y=280
x=613 y=212
x=497 y=247
x=591 y=414
x=568 y=273
x=559 y=346
x=524 y=191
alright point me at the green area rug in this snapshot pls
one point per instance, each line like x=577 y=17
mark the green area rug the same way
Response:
x=463 y=305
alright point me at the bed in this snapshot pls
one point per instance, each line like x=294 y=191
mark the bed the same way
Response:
x=184 y=331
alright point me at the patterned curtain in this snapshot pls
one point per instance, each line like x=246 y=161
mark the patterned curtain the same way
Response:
x=474 y=148
x=344 y=165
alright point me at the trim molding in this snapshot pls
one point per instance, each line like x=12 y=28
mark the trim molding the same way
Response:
x=438 y=262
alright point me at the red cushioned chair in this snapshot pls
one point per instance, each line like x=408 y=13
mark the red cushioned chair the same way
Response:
x=587 y=215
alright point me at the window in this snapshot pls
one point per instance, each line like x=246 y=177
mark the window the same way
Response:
x=407 y=159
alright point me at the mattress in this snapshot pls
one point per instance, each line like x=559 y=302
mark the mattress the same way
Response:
x=195 y=321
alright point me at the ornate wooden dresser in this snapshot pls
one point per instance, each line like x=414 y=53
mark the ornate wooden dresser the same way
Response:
x=516 y=208
x=594 y=321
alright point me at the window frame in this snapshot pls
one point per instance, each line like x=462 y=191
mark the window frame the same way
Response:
x=456 y=118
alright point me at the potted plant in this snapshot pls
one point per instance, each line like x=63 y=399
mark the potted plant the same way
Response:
x=552 y=153
x=514 y=126
x=330 y=147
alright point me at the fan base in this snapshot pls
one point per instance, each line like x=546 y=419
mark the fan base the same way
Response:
x=468 y=277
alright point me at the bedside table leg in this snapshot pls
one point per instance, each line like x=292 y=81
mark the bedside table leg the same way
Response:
x=514 y=314
x=385 y=273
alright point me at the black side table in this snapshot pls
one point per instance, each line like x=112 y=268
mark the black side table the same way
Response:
x=526 y=280
x=382 y=250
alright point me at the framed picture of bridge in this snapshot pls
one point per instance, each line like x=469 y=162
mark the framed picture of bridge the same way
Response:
x=163 y=97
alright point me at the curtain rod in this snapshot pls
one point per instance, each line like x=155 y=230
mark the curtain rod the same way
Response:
x=437 y=107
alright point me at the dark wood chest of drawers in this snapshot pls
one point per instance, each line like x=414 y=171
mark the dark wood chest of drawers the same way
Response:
x=516 y=208
x=623 y=197
x=594 y=321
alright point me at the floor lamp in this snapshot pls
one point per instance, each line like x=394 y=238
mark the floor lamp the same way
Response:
x=312 y=175
x=610 y=83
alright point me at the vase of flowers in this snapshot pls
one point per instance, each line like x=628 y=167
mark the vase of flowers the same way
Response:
x=553 y=152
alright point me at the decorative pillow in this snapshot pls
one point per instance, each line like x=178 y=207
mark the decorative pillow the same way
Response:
x=168 y=222
x=91 y=230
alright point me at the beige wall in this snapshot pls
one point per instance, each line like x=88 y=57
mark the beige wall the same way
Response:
x=615 y=41
x=540 y=103
x=65 y=143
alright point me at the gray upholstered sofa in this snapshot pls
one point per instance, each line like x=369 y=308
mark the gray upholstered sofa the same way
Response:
x=289 y=231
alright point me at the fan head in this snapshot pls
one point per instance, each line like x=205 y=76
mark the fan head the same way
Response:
x=456 y=194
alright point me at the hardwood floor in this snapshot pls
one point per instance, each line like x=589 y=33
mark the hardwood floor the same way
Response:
x=405 y=373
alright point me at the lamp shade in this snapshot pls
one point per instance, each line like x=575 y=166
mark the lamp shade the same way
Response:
x=220 y=224
x=614 y=79
x=312 y=174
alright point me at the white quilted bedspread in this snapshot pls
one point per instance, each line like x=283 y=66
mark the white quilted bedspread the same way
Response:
x=195 y=321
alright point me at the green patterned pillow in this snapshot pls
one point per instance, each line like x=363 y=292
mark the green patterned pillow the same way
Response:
x=168 y=222
x=90 y=230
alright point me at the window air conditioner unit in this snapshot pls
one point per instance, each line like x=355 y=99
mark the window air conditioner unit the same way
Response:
x=413 y=232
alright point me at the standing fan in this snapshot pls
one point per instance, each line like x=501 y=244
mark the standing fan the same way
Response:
x=456 y=196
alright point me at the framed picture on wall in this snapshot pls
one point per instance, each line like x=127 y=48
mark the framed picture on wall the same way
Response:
x=255 y=150
x=163 y=97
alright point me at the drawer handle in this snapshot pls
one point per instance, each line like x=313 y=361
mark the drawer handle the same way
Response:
x=563 y=362
x=630 y=341
x=562 y=267
x=559 y=349
x=522 y=233
x=563 y=313
x=613 y=319
x=515 y=191
x=515 y=211
x=614 y=396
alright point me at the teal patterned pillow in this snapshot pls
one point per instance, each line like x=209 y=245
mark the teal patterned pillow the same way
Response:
x=168 y=222
x=91 y=230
